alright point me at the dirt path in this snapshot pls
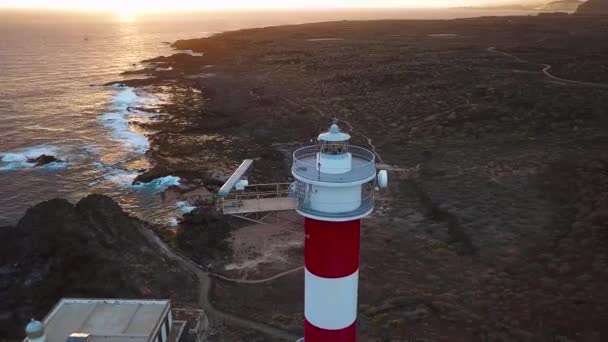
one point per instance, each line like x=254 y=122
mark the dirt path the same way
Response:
x=256 y=281
x=205 y=287
x=547 y=67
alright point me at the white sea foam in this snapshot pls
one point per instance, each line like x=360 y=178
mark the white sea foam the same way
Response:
x=117 y=118
x=159 y=184
x=195 y=54
x=184 y=207
x=124 y=178
x=17 y=159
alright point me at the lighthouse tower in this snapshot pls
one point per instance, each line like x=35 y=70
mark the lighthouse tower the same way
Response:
x=335 y=187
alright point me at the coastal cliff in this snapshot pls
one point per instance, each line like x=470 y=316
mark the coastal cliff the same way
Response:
x=594 y=7
x=88 y=249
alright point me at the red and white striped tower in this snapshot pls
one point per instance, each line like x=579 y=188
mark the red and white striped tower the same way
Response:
x=335 y=189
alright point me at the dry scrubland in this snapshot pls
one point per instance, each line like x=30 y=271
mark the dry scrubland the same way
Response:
x=495 y=225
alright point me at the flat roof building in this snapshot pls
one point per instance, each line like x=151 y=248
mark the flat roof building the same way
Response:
x=108 y=320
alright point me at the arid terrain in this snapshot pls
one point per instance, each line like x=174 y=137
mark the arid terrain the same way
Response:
x=494 y=130
x=495 y=134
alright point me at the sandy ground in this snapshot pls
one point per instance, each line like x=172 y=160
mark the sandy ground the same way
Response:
x=261 y=250
x=494 y=228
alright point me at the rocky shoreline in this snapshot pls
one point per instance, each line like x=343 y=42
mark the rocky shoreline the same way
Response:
x=495 y=227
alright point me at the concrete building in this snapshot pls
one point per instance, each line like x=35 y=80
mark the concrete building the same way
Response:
x=107 y=320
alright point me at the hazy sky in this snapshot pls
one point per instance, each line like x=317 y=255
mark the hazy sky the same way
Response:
x=134 y=6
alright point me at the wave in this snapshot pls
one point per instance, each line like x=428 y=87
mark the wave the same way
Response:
x=124 y=178
x=117 y=118
x=159 y=184
x=18 y=159
x=184 y=207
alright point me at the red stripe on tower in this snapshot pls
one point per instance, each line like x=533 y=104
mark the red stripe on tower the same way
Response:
x=331 y=248
x=313 y=333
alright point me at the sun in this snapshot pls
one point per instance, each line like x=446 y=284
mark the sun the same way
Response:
x=126 y=13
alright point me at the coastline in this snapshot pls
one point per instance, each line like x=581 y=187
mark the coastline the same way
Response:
x=497 y=213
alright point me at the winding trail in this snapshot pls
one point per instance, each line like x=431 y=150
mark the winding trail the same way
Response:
x=256 y=281
x=547 y=67
x=205 y=287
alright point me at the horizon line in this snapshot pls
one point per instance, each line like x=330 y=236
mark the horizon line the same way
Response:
x=214 y=9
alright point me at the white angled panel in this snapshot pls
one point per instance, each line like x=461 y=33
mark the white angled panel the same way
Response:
x=330 y=303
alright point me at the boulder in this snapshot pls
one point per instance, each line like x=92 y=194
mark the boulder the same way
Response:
x=43 y=160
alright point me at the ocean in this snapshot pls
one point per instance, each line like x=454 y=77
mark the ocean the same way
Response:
x=52 y=67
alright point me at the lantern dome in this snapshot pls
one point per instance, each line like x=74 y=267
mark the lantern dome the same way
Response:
x=334 y=135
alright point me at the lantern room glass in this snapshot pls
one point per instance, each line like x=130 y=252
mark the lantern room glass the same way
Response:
x=334 y=147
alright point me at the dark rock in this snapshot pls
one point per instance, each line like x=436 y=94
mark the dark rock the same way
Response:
x=145 y=71
x=203 y=235
x=136 y=82
x=152 y=174
x=43 y=160
x=91 y=249
x=180 y=58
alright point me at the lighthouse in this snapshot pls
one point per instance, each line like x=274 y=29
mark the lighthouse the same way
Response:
x=335 y=185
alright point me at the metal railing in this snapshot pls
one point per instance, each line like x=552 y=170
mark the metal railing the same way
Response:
x=255 y=192
x=306 y=165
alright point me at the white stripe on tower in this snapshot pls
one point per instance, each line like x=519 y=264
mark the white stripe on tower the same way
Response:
x=330 y=303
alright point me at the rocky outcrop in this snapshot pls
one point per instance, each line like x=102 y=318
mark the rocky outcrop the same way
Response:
x=43 y=160
x=181 y=61
x=593 y=7
x=91 y=249
x=204 y=236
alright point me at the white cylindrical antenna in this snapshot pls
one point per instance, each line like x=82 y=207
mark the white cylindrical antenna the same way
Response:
x=383 y=179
